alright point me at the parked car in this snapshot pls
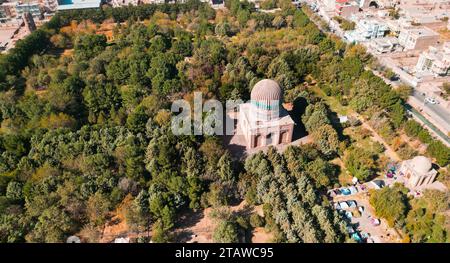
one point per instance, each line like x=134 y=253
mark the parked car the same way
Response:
x=375 y=221
x=351 y=203
x=343 y=205
x=353 y=190
x=345 y=191
x=349 y=214
x=356 y=237
x=337 y=206
x=430 y=100
x=350 y=230
x=361 y=209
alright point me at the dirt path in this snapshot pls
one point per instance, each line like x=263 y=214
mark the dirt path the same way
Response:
x=389 y=151
x=198 y=227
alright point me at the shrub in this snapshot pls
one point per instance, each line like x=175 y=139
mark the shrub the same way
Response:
x=256 y=220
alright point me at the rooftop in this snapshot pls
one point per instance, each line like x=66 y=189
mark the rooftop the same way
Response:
x=422 y=31
x=78 y=4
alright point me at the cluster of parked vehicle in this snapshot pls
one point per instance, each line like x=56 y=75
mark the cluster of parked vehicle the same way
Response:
x=350 y=209
x=343 y=191
x=346 y=205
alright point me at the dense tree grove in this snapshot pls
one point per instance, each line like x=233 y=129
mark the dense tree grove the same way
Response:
x=85 y=123
x=422 y=219
x=292 y=203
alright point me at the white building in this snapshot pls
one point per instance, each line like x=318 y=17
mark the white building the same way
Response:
x=384 y=44
x=78 y=4
x=435 y=60
x=366 y=29
x=119 y=3
x=418 y=171
x=33 y=8
x=50 y=5
x=417 y=37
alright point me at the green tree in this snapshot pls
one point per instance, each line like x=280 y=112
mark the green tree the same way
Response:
x=360 y=163
x=97 y=208
x=391 y=203
x=326 y=139
x=226 y=232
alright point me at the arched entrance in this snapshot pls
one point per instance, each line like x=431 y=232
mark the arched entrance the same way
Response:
x=257 y=140
x=269 y=139
x=283 y=137
x=373 y=4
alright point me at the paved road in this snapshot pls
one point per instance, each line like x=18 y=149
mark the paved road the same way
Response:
x=435 y=108
x=430 y=125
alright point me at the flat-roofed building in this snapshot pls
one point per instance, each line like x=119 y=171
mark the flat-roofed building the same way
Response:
x=346 y=8
x=33 y=8
x=78 y=4
x=118 y=3
x=366 y=28
x=384 y=44
x=435 y=60
x=50 y=5
x=417 y=37
x=8 y=10
x=343 y=8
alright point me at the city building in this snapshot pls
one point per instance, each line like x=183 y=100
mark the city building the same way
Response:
x=418 y=171
x=435 y=60
x=346 y=8
x=367 y=3
x=78 y=4
x=118 y=3
x=8 y=10
x=33 y=8
x=417 y=37
x=343 y=8
x=423 y=14
x=376 y=3
x=263 y=120
x=384 y=44
x=366 y=29
x=50 y=5
x=29 y=22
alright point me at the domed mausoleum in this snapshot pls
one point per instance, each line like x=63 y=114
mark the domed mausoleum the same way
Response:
x=418 y=171
x=264 y=121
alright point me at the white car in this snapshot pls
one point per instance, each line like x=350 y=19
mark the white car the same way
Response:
x=430 y=100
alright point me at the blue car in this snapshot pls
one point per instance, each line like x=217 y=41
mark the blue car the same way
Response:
x=356 y=237
x=345 y=191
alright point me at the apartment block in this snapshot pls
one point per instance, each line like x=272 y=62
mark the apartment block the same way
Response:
x=366 y=29
x=418 y=38
x=435 y=61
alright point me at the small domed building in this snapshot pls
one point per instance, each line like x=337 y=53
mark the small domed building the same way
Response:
x=418 y=171
x=263 y=120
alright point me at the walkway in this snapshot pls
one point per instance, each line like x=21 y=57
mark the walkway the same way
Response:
x=389 y=151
